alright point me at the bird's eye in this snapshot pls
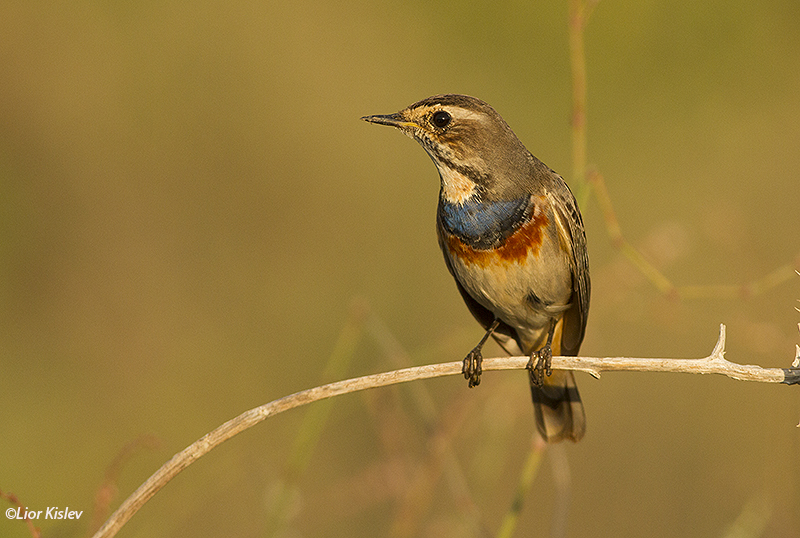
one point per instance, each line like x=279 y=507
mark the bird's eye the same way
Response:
x=441 y=119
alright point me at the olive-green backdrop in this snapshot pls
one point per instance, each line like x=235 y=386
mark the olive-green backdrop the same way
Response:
x=191 y=211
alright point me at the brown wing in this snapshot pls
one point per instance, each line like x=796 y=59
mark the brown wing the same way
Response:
x=570 y=228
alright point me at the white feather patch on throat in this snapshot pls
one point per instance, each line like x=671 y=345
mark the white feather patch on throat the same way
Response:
x=456 y=187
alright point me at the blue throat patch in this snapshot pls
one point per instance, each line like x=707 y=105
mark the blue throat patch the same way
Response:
x=483 y=225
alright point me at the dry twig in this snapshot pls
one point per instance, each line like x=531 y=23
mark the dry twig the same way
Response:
x=713 y=364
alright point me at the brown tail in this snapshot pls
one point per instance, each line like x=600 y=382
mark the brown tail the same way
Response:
x=557 y=404
x=558 y=408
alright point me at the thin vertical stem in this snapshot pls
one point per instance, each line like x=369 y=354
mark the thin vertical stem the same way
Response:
x=577 y=24
x=529 y=472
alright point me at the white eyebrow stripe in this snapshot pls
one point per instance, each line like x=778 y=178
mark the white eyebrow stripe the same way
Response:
x=463 y=114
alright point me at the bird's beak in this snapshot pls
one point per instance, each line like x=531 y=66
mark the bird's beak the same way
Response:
x=395 y=120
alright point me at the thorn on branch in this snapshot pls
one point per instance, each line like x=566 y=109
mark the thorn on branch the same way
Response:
x=719 y=348
x=792 y=375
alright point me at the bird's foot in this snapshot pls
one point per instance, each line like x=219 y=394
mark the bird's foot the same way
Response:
x=472 y=367
x=541 y=366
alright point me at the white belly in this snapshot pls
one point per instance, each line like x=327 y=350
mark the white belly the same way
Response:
x=510 y=289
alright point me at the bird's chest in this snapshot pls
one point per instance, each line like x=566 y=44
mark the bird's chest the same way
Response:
x=507 y=256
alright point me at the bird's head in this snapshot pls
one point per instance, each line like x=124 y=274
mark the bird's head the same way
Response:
x=474 y=149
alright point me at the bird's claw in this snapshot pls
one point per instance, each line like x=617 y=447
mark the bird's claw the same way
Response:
x=541 y=366
x=472 y=367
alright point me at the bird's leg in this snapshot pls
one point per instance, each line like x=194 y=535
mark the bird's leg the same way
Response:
x=544 y=356
x=472 y=362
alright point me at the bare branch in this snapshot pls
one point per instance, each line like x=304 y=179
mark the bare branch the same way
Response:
x=713 y=364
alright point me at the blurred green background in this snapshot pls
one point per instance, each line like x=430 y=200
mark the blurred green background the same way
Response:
x=190 y=208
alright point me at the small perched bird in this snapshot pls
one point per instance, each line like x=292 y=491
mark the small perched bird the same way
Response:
x=513 y=239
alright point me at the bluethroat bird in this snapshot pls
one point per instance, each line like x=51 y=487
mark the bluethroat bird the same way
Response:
x=513 y=239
